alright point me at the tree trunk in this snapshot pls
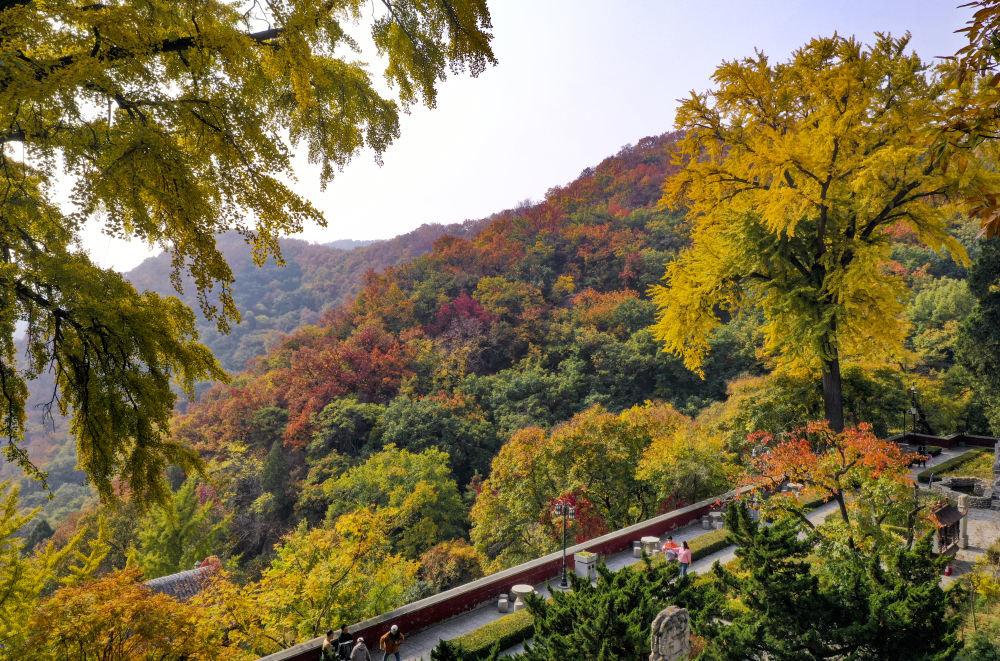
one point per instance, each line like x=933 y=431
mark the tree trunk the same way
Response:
x=833 y=395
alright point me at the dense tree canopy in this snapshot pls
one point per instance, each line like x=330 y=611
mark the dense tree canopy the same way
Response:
x=795 y=173
x=117 y=618
x=174 y=121
x=978 y=345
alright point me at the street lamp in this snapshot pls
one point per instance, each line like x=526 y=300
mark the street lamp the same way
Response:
x=567 y=512
x=913 y=407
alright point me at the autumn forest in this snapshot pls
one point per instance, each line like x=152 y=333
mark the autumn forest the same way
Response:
x=806 y=261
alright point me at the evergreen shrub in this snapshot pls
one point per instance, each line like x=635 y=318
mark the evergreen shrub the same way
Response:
x=517 y=627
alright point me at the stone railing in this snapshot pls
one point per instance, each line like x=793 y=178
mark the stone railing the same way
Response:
x=440 y=607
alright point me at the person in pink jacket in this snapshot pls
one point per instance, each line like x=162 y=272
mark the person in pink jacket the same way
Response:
x=684 y=557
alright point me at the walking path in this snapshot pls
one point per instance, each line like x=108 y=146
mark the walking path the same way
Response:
x=419 y=644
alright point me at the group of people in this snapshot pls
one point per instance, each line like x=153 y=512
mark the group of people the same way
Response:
x=344 y=647
x=682 y=553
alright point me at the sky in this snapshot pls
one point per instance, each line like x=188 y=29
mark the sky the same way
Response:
x=576 y=81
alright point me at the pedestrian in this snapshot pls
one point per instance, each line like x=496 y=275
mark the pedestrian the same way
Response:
x=360 y=651
x=391 y=641
x=329 y=650
x=684 y=557
x=345 y=644
x=670 y=549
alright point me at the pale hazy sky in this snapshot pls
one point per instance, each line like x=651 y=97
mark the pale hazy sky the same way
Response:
x=576 y=80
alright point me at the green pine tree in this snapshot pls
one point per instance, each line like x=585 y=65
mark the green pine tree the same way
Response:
x=41 y=532
x=776 y=604
x=607 y=621
x=274 y=477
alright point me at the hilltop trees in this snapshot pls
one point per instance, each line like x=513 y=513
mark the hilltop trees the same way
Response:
x=172 y=122
x=794 y=173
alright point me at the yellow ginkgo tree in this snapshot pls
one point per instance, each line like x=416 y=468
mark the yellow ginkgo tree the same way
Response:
x=795 y=176
x=169 y=122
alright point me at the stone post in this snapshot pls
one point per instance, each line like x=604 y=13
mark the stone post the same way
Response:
x=671 y=639
x=963 y=525
x=996 y=466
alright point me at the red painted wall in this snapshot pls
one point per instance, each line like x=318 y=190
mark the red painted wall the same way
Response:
x=953 y=441
x=416 y=616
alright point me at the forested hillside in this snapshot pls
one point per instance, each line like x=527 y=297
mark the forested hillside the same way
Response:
x=808 y=265
x=275 y=299
x=425 y=426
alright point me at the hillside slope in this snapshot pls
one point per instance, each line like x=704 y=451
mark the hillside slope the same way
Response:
x=275 y=299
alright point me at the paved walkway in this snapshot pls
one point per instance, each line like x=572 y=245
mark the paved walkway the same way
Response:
x=419 y=644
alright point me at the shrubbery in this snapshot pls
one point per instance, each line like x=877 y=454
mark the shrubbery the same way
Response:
x=925 y=476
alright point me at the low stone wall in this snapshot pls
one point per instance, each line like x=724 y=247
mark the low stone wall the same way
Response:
x=953 y=487
x=440 y=607
x=970 y=485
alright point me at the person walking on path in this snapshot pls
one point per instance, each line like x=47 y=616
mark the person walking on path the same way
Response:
x=345 y=644
x=391 y=641
x=684 y=557
x=360 y=651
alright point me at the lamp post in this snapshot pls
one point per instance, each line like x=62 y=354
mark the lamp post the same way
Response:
x=567 y=512
x=913 y=407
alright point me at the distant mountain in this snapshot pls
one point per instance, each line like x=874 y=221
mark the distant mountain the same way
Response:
x=348 y=244
x=275 y=300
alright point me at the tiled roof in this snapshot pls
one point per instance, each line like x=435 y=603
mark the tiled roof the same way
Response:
x=947 y=515
x=186 y=584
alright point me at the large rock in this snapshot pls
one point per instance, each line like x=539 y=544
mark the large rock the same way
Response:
x=671 y=639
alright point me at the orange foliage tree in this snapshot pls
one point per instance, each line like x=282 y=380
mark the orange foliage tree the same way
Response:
x=866 y=477
x=119 y=619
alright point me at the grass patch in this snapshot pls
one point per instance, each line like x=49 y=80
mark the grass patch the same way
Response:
x=709 y=543
x=701 y=546
x=980 y=466
x=509 y=630
x=946 y=467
